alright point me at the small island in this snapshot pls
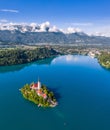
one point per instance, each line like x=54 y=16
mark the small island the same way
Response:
x=39 y=94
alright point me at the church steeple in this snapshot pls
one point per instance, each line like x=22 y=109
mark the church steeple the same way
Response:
x=39 y=84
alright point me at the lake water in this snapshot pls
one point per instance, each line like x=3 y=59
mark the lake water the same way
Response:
x=82 y=89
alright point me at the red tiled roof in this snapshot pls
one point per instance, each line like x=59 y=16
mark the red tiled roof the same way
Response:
x=41 y=93
x=35 y=85
x=44 y=95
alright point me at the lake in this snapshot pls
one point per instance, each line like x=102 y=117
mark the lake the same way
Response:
x=82 y=88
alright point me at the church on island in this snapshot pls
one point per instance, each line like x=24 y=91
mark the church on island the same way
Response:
x=39 y=94
x=37 y=88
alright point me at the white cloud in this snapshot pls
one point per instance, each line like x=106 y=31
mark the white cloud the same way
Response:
x=54 y=29
x=33 y=24
x=99 y=30
x=9 y=10
x=72 y=30
x=44 y=26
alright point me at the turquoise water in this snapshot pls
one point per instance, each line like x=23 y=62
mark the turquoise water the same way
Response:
x=82 y=88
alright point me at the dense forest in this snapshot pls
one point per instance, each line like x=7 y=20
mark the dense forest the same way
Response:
x=104 y=59
x=21 y=56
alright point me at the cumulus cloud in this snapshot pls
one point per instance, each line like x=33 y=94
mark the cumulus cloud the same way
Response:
x=33 y=24
x=54 y=29
x=45 y=26
x=9 y=10
x=72 y=30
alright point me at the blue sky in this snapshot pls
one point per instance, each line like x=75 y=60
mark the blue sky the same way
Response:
x=89 y=15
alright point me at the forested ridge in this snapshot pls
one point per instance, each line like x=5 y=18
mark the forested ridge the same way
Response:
x=104 y=59
x=21 y=56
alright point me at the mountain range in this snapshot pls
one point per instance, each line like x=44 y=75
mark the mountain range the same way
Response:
x=37 y=34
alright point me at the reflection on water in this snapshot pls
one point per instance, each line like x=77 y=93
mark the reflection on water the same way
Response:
x=60 y=60
x=66 y=59
x=13 y=68
x=4 y=69
x=71 y=59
